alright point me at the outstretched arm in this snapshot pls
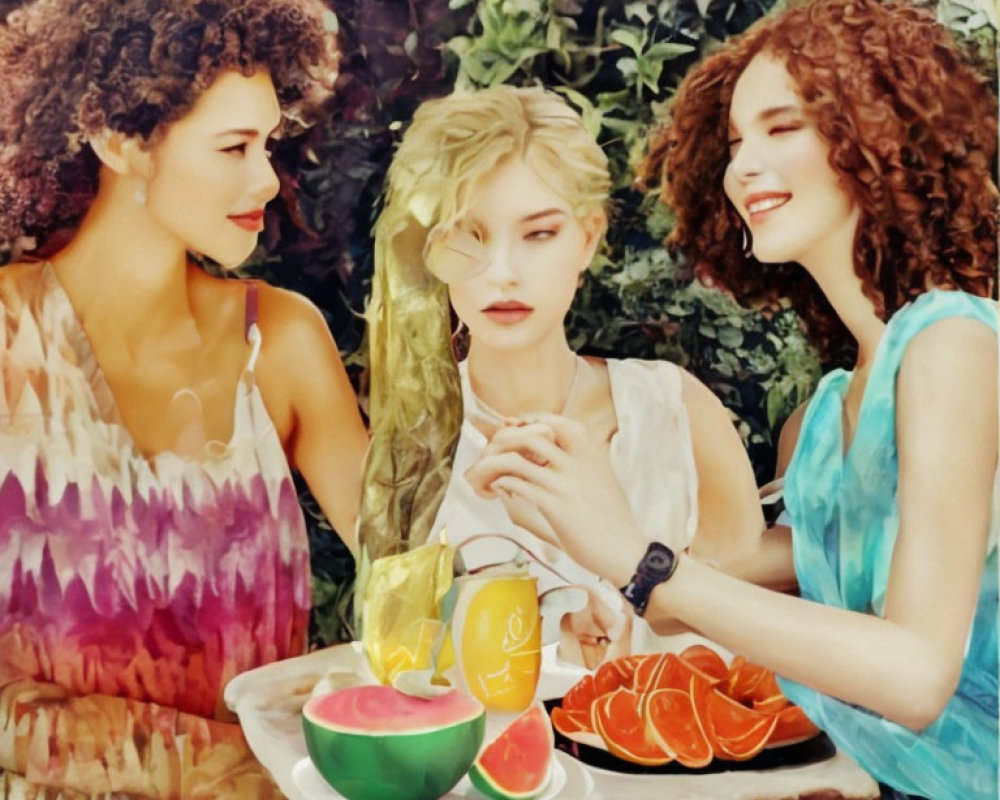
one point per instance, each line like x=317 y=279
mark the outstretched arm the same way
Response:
x=730 y=533
x=314 y=408
x=905 y=665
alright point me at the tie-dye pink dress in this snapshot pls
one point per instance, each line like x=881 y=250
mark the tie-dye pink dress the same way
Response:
x=131 y=589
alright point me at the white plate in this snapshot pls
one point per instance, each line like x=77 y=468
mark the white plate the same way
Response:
x=310 y=783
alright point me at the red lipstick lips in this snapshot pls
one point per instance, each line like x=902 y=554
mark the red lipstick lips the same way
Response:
x=759 y=204
x=507 y=312
x=251 y=221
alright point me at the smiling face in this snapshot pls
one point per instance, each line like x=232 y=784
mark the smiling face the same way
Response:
x=211 y=174
x=779 y=177
x=532 y=250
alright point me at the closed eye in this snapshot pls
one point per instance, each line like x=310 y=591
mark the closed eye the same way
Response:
x=237 y=149
x=541 y=234
x=786 y=128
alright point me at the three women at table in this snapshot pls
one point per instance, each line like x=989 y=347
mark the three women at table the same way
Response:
x=841 y=153
x=151 y=543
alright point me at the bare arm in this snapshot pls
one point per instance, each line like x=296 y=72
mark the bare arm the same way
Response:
x=906 y=665
x=310 y=399
x=730 y=521
x=788 y=438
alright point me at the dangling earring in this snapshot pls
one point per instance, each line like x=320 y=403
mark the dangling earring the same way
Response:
x=140 y=193
x=747 y=241
x=460 y=341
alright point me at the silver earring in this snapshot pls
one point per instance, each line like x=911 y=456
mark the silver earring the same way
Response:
x=140 y=194
x=747 y=242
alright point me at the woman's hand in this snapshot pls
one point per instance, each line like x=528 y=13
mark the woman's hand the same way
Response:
x=601 y=631
x=549 y=469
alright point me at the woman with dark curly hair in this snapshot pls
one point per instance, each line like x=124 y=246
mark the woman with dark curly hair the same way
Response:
x=851 y=140
x=151 y=543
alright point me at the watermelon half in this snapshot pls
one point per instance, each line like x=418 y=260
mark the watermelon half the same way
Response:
x=515 y=765
x=376 y=743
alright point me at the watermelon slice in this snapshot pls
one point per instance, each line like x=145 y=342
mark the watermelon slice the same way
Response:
x=515 y=765
x=376 y=743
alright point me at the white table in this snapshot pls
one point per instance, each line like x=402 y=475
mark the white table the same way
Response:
x=269 y=700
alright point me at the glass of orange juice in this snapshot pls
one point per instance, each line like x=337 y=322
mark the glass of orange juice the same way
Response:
x=496 y=635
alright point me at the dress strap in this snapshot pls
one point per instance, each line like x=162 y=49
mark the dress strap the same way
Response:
x=250 y=328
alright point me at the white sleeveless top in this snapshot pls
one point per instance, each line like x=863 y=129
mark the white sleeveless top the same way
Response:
x=650 y=453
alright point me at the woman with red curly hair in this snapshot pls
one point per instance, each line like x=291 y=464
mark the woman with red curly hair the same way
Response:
x=151 y=543
x=840 y=153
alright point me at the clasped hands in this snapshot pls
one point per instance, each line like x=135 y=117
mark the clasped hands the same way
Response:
x=556 y=481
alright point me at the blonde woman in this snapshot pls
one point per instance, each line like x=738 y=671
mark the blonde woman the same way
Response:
x=496 y=205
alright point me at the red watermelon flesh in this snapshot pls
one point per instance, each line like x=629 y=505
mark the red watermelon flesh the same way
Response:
x=515 y=765
x=384 y=710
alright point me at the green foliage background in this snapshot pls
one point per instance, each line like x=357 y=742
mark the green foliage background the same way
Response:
x=616 y=61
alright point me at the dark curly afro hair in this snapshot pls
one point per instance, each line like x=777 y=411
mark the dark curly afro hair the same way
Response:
x=912 y=130
x=70 y=68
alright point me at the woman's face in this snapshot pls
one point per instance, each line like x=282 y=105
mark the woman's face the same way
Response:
x=533 y=250
x=211 y=174
x=779 y=177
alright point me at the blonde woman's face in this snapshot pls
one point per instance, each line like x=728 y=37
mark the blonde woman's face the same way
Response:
x=530 y=249
x=779 y=177
x=211 y=173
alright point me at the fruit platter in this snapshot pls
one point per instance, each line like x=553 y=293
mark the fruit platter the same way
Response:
x=686 y=712
x=269 y=702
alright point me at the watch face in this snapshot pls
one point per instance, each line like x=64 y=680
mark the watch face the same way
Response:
x=659 y=558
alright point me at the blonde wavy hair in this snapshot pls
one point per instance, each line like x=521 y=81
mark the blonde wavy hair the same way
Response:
x=416 y=398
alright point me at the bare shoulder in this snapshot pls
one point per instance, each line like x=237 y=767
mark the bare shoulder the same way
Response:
x=298 y=349
x=948 y=379
x=958 y=345
x=17 y=281
x=286 y=316
x=701 y=403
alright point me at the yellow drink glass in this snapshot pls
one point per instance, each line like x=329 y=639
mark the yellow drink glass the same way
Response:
x=497 y=637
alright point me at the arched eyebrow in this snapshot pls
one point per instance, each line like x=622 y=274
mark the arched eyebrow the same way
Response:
x=768 y=114
x=544 y=213
x=777 y=111
x=251 y=133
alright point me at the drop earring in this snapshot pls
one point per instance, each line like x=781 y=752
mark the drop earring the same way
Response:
x=140 y=193
x=747 y=241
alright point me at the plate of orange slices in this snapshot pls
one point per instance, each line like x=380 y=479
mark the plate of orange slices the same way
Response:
x=670 y=713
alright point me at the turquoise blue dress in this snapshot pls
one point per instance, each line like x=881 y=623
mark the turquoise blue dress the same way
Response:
x=845 y=519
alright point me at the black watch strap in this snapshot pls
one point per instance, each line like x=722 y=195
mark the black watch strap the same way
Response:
x=655 y=567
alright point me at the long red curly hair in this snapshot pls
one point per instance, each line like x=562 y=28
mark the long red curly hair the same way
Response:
x=912 y=129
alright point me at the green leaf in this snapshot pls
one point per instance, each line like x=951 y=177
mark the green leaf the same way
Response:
x=639 y=10
x=627 y=37
x=667 y=50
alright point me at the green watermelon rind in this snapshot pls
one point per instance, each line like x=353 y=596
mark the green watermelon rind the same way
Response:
x=410 y=765
x=488 y=787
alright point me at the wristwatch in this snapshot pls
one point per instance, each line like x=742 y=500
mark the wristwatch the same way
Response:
x=655 y=567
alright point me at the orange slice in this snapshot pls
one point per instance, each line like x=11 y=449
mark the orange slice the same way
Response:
x=793 y=726
x=581 y=696
x=674 y=724
x=568 y=722
x=736 y=732
x=619 y=720
x=706 y=660
x=617 y=673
